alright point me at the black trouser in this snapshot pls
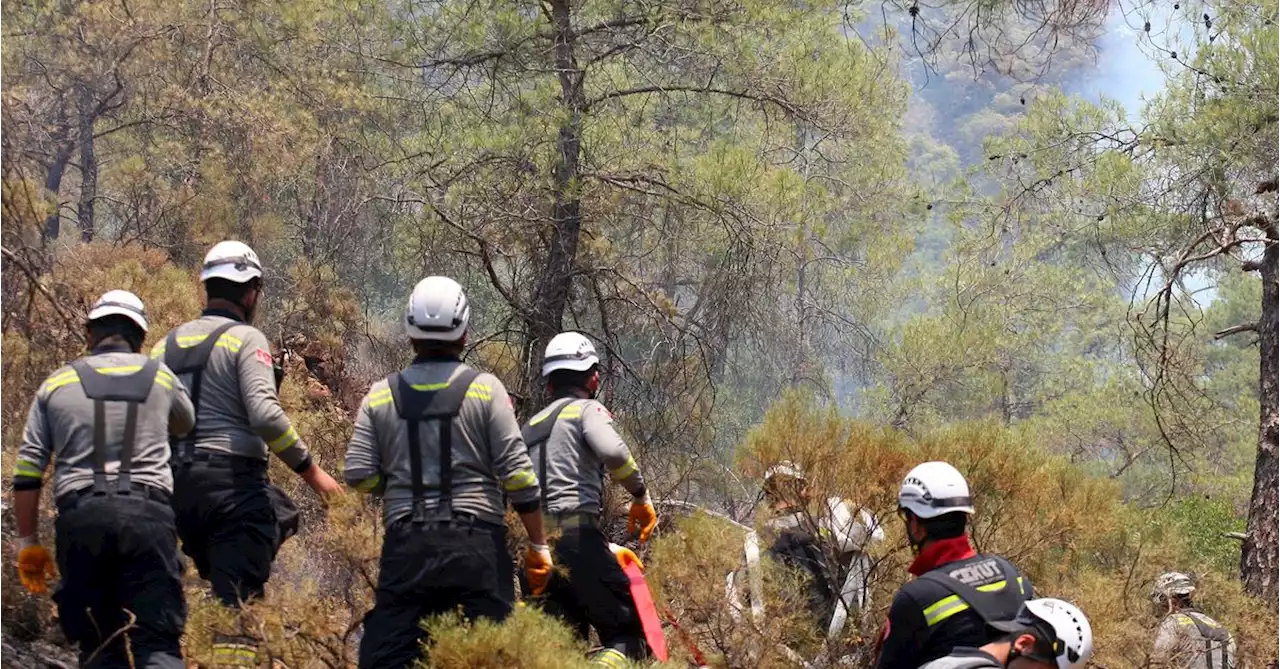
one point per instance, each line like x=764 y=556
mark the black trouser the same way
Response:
x=118 y=557
x=228 y=523
x=596 y=593
x=429 y=568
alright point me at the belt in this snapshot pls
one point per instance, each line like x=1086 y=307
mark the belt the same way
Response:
x=218 y=459
x=459 y=519
x=149 y=492
x=558 y=521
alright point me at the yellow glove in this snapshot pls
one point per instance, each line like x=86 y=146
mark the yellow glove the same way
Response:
x=537 y=567
x=35 y=568
x=625 y=556
x=642 y=518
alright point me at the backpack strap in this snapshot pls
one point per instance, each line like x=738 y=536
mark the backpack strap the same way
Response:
x=133 y=389
x=192 y=361
x=994 y=605
x=536 y=434
x=421 y=405
x=1215 y=636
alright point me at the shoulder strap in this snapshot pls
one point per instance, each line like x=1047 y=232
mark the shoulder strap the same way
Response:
x=536 y=435
x=192 y=361
x=1215 y=636
x=416 y=406
x=990 y=606
x=133 y=389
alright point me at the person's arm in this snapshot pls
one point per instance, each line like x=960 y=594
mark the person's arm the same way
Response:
x=28 y=469
x=608 y=446
x=267 y=417
x=514 y=469
x=510 y=456
x=1168 y=638
x=35 y=564
x=905 y=632
x=182 y=414
x=362 y=468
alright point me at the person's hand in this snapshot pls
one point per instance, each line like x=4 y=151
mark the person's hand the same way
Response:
x=642 y=518
x=537 y=567
x=35 y=568
x=322 y=483
x=625 y=556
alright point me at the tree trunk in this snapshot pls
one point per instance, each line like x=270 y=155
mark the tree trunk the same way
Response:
x=88 y=166
x=1258 y=558
x=553 y=285
x=63 y=148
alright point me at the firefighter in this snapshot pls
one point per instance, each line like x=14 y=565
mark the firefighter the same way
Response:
x=957 y=591
x=573 y=444
x=1186 y=637
x=439 y=442
x=1046 y=634
x=106 y=419
x=230 y=518
x=828 y=547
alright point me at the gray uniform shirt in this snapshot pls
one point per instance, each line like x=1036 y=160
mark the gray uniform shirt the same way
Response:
x=584 y=445
x=964 y=658
x=60 y=425
x=1180 y=645
x=239 y=412
x=489 y=456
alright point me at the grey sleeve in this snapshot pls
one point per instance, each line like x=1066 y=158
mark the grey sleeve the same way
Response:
x=362 y=468
x=1168 y=642
x=607 y=444
x=266 y=416
x=510 y=456
x=182 y=414
x=36 y=449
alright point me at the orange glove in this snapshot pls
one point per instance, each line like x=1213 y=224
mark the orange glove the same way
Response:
x=35 y=568
x=642 y=518
x=537 y=567
x=625 y=556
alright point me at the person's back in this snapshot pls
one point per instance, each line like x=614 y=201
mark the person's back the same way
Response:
x=933 y=618
x=482 y=446
x=239 y=412
x=1189 y=639
x=965 y=658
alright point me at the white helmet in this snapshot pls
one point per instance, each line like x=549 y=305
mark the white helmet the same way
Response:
x=569 y=350
x=933 y=489
x=1170 y=585
x=233 y=261
x=120 y=303
x=1072 y=641
x=438 y=310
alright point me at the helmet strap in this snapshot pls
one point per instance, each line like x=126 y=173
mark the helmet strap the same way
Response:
x=916 y=546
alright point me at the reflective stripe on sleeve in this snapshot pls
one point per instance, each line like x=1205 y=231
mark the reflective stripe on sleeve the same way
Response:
x=284 y=441
x=27 y=469
x=626 y=470
x=520 y=480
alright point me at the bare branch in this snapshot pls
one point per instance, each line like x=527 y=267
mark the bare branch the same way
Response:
x=1235 y=329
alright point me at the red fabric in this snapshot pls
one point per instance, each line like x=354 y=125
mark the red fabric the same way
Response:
x=940 y=552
